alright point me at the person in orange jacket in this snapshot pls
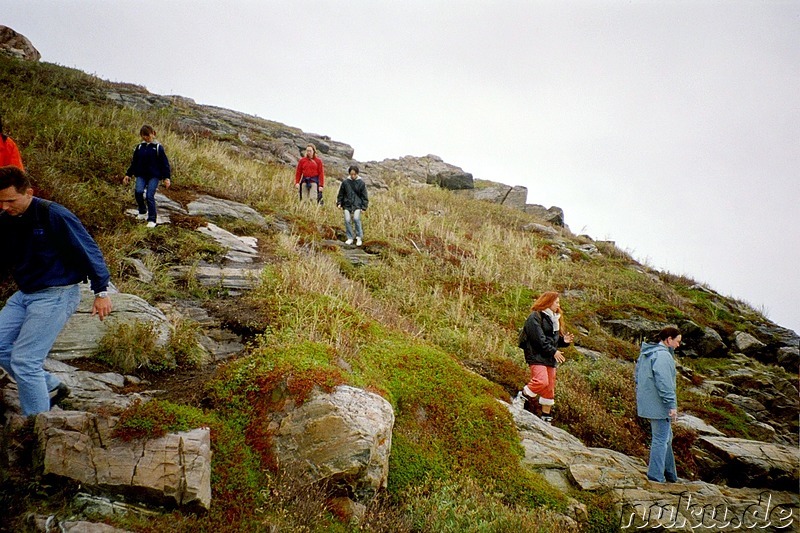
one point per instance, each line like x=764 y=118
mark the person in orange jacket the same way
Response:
x=310 y=175
x=9 y=153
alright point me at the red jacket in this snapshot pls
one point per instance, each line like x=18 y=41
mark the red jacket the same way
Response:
x=310 y=168
x=9 y=153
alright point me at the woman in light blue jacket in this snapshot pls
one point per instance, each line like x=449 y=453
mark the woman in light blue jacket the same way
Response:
x=657 y=400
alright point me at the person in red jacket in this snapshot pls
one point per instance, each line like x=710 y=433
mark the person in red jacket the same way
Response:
x=9 y=153
x=310 y=175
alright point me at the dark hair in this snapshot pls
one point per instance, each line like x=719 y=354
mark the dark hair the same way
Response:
x=352 y=168
x=147 y=130
x=13 y=176
x=2 y=134
x=669 y=332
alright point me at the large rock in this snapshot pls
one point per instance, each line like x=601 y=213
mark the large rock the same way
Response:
x=554 y=215
x=81 y=334
x=697 y=425
x=701 y=341
x=555 y=453
x=211 y=207
x=498 y=193
x=343 y=437
x=17 y=45
x=428 y=169
x=747 y=344
x=789 y=358
x=174 y=470
x=748 y=463
x=634 y=329
x=238 y=249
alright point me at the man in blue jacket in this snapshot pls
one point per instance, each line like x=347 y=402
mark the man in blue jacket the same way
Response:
x=48 y=252
x=656 y=399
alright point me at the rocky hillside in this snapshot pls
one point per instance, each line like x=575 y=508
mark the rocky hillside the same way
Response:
x=257 y=374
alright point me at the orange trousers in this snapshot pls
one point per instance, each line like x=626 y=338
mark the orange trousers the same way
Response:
x=543 y=383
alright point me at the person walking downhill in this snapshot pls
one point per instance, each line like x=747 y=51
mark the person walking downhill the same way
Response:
x=9 y=153
x=353 y=199
x=149 y=166
x=48 y=252
x=540 y=340
x=310 y=176
x=657 y=400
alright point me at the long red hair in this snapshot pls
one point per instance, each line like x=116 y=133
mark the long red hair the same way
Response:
x=545 y=301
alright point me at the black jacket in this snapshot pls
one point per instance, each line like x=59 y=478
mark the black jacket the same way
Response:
x=352 y=195
x=149 y=161
x=540 y=341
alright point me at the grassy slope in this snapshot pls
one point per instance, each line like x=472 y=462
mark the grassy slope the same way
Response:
x=420 y=326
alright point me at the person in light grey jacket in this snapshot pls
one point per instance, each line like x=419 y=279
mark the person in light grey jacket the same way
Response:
x=657 y=400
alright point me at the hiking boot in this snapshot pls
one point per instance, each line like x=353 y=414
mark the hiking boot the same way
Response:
x=547 y=419
x=530 y=404
x=58 y=394
x=358 y=241
x=348 y=242
x=151 y=224
x=141 y=216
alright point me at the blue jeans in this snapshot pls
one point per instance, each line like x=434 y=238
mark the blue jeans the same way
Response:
x=661 y=467
x=356 y=219
x=29 y=325
x=149 y=184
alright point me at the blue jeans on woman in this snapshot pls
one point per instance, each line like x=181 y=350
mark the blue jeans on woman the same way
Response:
x=29 y=326
x=356 y=220
x=661 y=467
x=149 y=184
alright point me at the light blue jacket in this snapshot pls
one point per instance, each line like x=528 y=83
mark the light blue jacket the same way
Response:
x=655 y=381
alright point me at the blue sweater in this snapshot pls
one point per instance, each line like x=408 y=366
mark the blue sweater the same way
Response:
x=47 y=246
x=149 y=161
x=655 y=381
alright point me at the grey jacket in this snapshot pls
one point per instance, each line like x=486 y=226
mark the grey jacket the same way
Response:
x=655 y=381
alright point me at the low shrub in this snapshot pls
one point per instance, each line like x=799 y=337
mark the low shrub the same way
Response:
x=127 y=347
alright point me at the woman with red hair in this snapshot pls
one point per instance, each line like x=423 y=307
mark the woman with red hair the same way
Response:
x=540 y=339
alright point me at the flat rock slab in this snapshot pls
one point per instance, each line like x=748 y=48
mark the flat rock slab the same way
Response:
x=221 y=276
x=211 y=207
x=239 y=249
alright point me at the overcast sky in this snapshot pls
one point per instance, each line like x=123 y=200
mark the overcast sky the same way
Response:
x=672 y=128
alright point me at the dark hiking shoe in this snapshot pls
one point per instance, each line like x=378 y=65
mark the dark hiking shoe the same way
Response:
x=58 y=394
x=548 y=419
x=529 y=403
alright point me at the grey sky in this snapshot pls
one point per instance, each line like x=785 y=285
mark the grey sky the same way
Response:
x=672 y=128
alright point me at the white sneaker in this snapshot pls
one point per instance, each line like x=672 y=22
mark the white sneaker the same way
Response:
x=151 y=224
x=141 y=216
x=358 y=241
x=348 y=242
